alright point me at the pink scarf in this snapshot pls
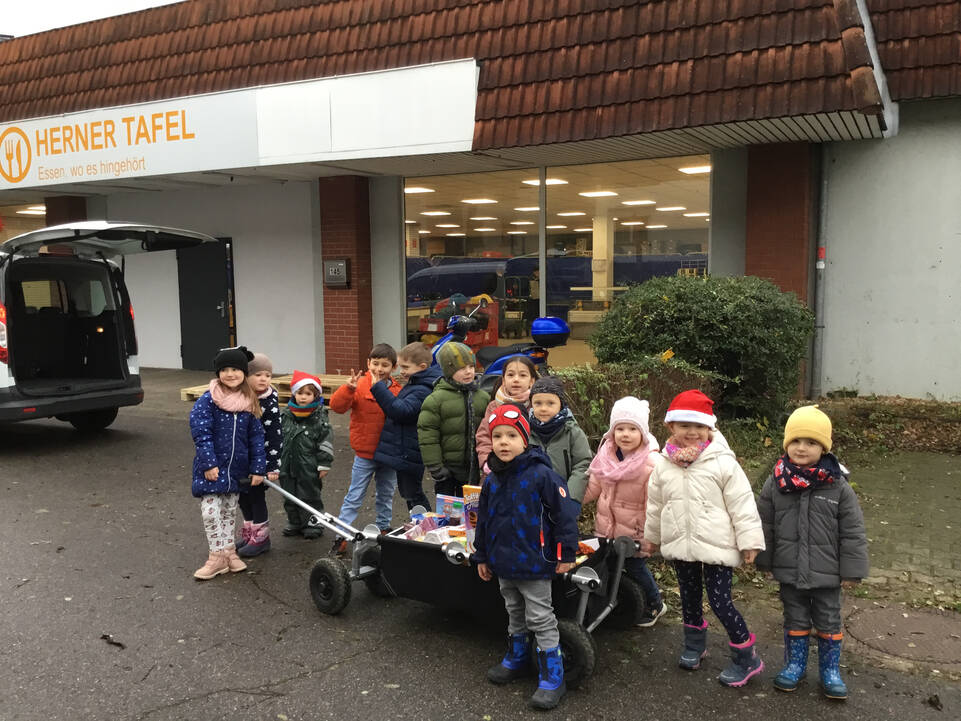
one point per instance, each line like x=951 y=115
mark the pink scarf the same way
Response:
x=228 y=400
x=502 y=397
x=607 y=468
x=684 y=456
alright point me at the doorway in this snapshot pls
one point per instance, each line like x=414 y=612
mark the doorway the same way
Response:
x=207 y=317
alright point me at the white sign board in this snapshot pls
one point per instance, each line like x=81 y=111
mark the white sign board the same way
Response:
x=371 y=115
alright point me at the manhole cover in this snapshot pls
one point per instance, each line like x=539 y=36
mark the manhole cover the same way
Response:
x=919 y=635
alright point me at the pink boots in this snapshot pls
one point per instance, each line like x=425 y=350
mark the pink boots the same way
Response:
x=220 y=562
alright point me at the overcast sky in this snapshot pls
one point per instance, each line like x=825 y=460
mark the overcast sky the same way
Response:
x=18 y=17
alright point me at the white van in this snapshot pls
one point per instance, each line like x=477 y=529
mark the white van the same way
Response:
x=67 y=343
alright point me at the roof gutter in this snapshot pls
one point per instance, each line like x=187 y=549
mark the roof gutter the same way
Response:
x=868 y=82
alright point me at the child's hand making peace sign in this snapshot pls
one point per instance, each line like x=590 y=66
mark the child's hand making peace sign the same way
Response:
x=354 y=377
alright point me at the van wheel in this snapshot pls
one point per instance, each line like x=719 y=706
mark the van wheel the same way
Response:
x=91 y=421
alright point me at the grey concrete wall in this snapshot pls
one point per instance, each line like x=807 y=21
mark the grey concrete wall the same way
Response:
x=728 y=212
x=387 y=261
x=893 y=237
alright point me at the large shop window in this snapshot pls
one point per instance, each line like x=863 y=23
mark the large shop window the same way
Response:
x=608 y=226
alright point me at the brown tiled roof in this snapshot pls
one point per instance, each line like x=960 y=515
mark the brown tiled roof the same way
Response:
x=919 y=42
x=551 y=70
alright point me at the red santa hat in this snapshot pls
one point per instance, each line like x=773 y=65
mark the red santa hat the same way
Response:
x=301 y=379
x=691 y=407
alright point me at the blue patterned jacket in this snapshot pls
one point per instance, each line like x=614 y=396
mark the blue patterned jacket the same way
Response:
x=232 y=442
x=527 y=520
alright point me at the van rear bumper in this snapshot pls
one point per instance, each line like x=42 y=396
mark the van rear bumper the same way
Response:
x=14 y=406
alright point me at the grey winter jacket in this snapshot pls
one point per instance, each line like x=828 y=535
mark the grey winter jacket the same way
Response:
x=814 y=538
x=570 y=455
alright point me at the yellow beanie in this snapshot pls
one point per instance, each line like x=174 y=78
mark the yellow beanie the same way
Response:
x=808 y=422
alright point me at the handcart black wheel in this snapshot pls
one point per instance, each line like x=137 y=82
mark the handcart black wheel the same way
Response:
x=375 y=582
x=577 y=651
x=630 y=605
x=329 y=586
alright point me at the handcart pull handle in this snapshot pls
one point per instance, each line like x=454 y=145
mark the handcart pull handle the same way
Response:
x=328 y=521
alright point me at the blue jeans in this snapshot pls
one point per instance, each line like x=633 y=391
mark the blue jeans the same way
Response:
x=385 y=480
x=637 y=569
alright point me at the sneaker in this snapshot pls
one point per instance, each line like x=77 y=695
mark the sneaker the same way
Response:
x=313 y=532
x=650 y=615
x=291 y=530
x=339 y=548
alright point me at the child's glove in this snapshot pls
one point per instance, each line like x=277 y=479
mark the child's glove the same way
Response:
x=439 y=474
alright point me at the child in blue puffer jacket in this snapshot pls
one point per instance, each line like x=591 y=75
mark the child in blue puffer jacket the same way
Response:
x=526 y=532
x=229 y=439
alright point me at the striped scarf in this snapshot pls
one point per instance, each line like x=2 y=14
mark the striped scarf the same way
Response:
x=304 y=411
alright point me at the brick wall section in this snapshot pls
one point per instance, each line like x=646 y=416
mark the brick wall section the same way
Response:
x=345 y=233
x=781 y=215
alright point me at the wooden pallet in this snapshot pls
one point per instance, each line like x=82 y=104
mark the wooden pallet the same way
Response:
x=281 y=383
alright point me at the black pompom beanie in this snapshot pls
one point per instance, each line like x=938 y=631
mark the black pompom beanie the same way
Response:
x=237 y=357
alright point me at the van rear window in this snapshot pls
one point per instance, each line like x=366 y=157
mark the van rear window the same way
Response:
x=80 y=293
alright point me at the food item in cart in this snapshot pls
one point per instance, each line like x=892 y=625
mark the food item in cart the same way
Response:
x=471 y=507
x=438 y=535
x=456 y=532
x=451 y=507
x=585 y=549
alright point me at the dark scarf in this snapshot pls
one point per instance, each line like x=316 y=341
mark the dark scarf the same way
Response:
x=304 y=411
x=498 y=466
x=790 y=477
x=546 y=430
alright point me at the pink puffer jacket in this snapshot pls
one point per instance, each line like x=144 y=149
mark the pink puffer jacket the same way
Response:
x=620 y=488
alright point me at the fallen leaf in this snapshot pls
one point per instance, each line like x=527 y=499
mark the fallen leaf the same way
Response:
x=934 y=701
x=112 y=641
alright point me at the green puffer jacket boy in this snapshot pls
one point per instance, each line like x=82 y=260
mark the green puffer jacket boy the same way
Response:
x=447 y=423
x=570 y=455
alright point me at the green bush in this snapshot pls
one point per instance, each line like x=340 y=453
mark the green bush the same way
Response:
x=592 y=389
x=745 y=329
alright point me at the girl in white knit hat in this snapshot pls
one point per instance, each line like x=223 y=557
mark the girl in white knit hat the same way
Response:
x=618 y=480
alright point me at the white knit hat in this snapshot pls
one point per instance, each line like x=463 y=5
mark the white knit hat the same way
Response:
x=636 y=412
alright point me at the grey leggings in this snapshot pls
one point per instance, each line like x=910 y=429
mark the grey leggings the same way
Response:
x=529 y=608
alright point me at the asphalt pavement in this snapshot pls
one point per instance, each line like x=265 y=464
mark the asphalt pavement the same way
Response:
x=102 y=618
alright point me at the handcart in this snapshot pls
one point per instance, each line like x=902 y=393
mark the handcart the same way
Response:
x=595 y=591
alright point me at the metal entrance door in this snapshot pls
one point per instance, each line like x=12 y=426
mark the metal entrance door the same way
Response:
x=207 y=322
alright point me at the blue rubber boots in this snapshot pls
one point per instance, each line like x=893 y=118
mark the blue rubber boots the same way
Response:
x=829 y=660
x=795 y=661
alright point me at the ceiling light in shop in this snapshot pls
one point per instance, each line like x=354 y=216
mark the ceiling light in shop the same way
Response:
x=411 y=222
x=669 y=208
x=696 y=215
x=656 y=227
x=522 y=222
x=484 y=217
x=483 y=230
x=31 y=212
x=479 y=201
x=527 y=208
x=633 y=222
x=435 y=212
x=598 y=194
x=555 y=227
x=447 y=225
x=571 y=213
x=695 y=169
x=516 y=232
x=417 y=189
x=424 y=232
x=455 y=235
x=583 y=230
x=37 y=207
x=549 y=181
x=638 y=202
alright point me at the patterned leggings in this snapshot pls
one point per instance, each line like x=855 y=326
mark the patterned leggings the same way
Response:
x=691 y=575
x=219 y=511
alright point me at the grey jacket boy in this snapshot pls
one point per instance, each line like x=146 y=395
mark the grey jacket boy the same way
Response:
x=814 y=538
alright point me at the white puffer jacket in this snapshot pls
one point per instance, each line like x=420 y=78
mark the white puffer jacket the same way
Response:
x=705 y=512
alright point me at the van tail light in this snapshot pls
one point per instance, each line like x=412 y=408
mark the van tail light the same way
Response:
x=4 y=351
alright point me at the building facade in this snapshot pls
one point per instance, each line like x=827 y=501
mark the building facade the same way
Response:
x=545 y=153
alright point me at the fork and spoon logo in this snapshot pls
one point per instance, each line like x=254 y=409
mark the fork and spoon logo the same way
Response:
x=15 y=155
